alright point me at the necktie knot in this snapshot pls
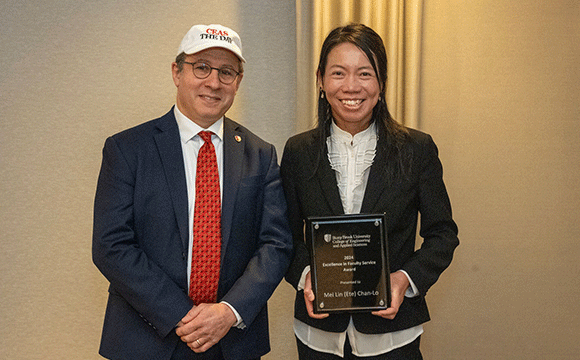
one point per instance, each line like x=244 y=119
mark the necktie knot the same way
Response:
x=205 y=135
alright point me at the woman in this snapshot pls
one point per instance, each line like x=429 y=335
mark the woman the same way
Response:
x=359 y=160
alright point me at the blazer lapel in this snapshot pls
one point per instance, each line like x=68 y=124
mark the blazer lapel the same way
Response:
x=377 y=182
x=169 y=147
x=326 y=176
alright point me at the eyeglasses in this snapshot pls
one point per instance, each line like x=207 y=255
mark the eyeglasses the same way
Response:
x=202 y=70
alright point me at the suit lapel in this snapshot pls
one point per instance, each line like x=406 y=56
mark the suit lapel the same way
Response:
x=169 y=147
x=234 y=145
x=326 y=176
x=377 y=182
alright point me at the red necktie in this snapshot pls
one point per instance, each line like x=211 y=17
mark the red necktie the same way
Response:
x=205 y=262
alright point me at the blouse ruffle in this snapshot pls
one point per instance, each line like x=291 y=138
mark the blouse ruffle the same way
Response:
x=351 y=158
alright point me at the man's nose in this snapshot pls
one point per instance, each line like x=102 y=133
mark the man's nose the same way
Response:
x=213 y=79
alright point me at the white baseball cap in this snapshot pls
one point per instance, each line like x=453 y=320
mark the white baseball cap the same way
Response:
x=201 y=37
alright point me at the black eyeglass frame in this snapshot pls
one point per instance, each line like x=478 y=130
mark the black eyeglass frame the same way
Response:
x=219 y=70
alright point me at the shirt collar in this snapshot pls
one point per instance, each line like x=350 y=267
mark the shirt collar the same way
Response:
x=188 y=129
x=340 y=135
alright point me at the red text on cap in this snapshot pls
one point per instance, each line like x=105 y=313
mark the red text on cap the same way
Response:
x=216 y=32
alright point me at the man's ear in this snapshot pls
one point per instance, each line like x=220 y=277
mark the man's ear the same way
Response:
x=175 y=73
x=238 y=81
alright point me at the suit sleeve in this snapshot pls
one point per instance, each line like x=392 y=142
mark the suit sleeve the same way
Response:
x=438 y=230
x=120 y=256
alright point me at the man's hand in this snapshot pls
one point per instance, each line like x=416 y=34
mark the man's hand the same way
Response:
x=309 y=298
x=205 y=325
x=399 y=285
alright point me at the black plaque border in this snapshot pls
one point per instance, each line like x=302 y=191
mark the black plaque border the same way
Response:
x=310 y=239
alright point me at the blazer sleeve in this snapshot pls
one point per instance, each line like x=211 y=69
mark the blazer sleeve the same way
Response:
x=438 y=230
x=120 y=256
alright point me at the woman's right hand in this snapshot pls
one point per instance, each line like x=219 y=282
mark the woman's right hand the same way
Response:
x=309 y=298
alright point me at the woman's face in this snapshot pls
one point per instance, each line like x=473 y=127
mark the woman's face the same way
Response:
x=351 y=86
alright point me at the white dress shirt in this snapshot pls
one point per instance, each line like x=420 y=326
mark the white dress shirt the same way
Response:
x=351 y=158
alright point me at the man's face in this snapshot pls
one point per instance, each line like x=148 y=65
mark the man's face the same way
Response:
x=204 y=101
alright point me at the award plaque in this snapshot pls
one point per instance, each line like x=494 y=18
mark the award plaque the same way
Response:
x=349 y=263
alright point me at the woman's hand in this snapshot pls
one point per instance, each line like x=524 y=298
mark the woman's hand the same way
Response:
x=309 y=298
x=399 y=285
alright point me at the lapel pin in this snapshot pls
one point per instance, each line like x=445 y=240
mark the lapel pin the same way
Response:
x=238 y=138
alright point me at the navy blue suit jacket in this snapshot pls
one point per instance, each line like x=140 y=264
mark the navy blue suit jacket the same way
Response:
x=140 y=239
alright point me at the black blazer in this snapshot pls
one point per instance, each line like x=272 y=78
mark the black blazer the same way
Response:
x=140 y=239
x=311 y=193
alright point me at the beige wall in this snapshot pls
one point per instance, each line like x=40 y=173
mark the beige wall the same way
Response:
x=500 y=96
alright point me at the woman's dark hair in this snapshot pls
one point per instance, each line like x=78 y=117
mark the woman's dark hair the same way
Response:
x=372 y=45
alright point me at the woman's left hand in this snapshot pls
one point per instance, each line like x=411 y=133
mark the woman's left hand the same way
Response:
x=399 y=285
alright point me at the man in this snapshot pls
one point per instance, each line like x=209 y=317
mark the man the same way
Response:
x=173 y=186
